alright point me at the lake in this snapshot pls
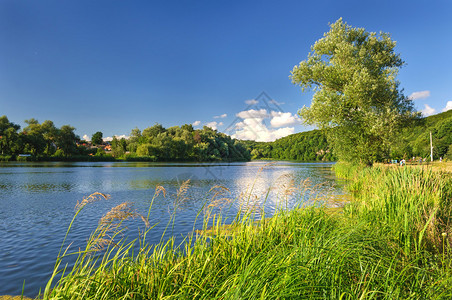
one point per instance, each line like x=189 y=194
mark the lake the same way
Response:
x=38 y=199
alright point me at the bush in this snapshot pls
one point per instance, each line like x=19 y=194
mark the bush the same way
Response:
x=132 y=157
x=6 y=158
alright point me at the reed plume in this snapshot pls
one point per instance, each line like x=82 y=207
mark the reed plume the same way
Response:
x=218 y=199
x=160 y=189
x=90 y=199
x=110 y=225
x=183 y=189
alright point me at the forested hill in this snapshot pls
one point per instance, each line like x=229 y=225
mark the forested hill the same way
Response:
x=303 y=146
x=415 y=141
x=313 y=146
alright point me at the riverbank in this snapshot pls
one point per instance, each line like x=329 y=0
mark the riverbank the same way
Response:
x=436 y=166
x=103 y=158
x=391 y=241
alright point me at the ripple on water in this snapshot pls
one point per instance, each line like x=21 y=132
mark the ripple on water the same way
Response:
x=37 y=204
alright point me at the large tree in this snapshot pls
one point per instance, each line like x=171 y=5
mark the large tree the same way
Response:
x=96 y=139
x=356 y=94
x=67 y=140
x=8 y=136
x=50 y=134
x=33 y=136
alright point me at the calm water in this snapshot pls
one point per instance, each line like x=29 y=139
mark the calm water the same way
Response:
x=37 y=203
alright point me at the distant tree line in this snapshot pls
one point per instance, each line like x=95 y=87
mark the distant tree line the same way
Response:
x=44 y=141
x=37 y=139
x=184 y=143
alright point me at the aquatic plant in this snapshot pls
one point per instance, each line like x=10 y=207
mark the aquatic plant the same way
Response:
x=392 y=241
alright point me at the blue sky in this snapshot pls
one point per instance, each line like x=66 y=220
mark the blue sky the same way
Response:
x=112 y=66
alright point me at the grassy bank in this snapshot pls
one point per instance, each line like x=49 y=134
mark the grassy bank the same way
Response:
x=392 y=241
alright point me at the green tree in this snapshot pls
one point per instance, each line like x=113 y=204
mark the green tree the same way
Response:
x=67 y=139
x=153 y=131
x=118 y=147
x=8 y=136
x=50 y=134
x=356 y=94
x=96 y=139
x=33 y=136
x=449 y=152
x=134 y=140
x=187 y=127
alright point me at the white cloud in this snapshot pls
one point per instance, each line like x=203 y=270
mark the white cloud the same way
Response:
x=255 y=129
x=282 y=132
x=221 y=116
x=428 y=111
x=281 y=119
x=86 y=137
x=448 y=106
x=214 y=125
x=252 y=127
x=251 y=102
x=196 y=123
x=253 y=113
x=109 y=138
x=419 y=95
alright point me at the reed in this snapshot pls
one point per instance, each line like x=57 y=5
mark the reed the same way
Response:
x=391 y=241
x=413 y=204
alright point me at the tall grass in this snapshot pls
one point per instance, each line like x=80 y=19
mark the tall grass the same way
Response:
x=391 y=242
x=412 y=203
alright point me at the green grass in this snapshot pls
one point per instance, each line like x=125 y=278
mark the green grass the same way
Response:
x=6 y=157
x=392 y=241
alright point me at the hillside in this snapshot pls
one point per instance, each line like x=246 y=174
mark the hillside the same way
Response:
x=313 y=145
x=416 y=140
x=304 y=146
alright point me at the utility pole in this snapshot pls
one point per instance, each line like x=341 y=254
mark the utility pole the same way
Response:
x=431 y=147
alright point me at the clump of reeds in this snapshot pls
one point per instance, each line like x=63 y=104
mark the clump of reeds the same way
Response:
x=104 y=235
x=375 y=249
x=413 y=203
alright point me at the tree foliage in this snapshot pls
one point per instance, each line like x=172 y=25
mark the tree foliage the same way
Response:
x=156 y=143
x=96 y=139
x=415 y=141
x=37 y=139
x=303 y=146
x=9 y=138
x=356 y=94
x=185 y=144
x=67 y=140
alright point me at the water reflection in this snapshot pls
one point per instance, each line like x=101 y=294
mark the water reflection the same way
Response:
x=37 y=203
x=47 y=187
